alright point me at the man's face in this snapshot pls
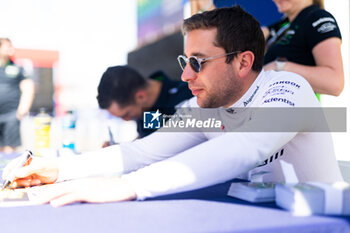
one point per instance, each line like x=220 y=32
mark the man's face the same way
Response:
x=216 y=84
x=6 y=49
x=129 y=112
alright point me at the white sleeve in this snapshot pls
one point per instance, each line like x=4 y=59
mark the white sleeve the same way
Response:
x=127 y=157
x=156 y=147
x=108 y=160
x=209 y=163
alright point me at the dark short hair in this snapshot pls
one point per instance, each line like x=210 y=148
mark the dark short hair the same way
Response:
x=119 y=84
x=237 y=30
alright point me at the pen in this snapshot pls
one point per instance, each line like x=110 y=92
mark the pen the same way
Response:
x=23 y=159
x=111 y=139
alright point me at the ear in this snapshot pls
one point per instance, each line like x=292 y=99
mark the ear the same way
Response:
x=140 y=97
x=246 y=60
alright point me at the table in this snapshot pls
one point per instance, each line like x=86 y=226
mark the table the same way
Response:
x=203 y=210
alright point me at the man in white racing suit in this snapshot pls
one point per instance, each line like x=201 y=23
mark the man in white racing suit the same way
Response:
x=223 y=67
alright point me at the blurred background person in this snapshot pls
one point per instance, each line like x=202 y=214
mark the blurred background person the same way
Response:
x=307 y=42
x=125 y=93
x=198 y=6
x=16 y=97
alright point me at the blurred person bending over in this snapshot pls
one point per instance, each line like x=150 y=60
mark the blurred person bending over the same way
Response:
x=222 y=65
x=16 y=97
x=125 y=93
x=307 y=42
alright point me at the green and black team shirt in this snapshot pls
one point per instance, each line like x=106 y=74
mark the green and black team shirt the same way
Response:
x=171 y=94
x=10 y=77
x=294 y=41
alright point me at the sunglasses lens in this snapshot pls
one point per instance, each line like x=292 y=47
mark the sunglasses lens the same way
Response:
x=182 y=62
x=195 y=64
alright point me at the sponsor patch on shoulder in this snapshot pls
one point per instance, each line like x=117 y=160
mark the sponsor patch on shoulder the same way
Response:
x=326 y=27
x=322 y=20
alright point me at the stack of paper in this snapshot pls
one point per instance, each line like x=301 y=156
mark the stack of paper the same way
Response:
x=314 y=198
x=21 y=196
x=14 y=197
x=253 y=192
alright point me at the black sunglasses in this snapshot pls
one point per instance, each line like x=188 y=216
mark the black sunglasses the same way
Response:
x=196 y=63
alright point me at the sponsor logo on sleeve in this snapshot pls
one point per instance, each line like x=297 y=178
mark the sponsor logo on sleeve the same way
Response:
x=322 y=20
x=283 y=100
x=285 y=82
x=278 y=90
x=272 y=158
x=251 y=97
x=326 y=27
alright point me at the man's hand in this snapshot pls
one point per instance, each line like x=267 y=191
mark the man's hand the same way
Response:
x=20 y=114
x=94 y=189
x=38 y=171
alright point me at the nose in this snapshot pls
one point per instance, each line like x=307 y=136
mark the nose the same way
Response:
x=188 y=74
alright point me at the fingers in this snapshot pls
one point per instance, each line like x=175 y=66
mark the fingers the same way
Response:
x=28 y=182
x=27 y=171
x=65 y=199
x=57 y=195
x=43 y=169
x=45 y=194
x=94 y=190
